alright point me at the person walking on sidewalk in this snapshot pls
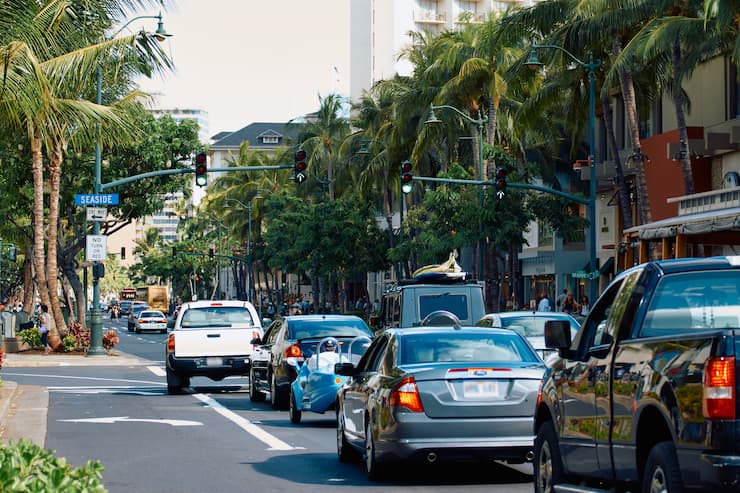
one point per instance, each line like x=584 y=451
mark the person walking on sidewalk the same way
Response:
x=44 y=329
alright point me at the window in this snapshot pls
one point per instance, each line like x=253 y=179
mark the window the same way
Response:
x=454 y=303
x=218 y=316
x=693 y=300
x=544 y=234
x=270 y=139
x=469 y=348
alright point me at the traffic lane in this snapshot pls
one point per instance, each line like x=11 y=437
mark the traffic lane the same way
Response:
x=315 y=438
x=153 y=442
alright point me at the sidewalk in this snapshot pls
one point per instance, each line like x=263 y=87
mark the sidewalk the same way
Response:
x=24 y=408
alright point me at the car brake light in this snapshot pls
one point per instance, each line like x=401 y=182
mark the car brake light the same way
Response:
x=406 y=394
x=293 y=351
x=171 y=344
x=719 y=388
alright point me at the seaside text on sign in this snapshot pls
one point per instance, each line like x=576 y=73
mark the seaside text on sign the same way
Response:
x=96 y=199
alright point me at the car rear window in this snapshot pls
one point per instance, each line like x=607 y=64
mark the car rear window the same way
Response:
x=455 y=303
x=533 y=326
x=464 y=347
x=217 y=316
x=691 y=301
x=152 y=315
x=304 y=329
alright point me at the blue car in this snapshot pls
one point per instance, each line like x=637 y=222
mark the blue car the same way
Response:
x=316 y=386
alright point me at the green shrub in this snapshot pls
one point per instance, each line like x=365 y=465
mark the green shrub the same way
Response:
x=26 y=467
x=69 y=342
x=31 y=337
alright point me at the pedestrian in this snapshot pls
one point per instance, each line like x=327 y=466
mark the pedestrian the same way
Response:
x=569 y=305
x=544 y=304
x=45 y=321
x=585 y=306
x=561 y=298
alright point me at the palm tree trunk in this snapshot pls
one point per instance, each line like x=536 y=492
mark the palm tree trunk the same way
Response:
x=38 y=220
x=28 y=287
x=627 y=86
x=683 y=135
x=624 y=199
x=52 y=269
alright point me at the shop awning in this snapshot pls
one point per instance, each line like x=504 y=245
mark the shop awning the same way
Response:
x=585 y=274
x=690 y=224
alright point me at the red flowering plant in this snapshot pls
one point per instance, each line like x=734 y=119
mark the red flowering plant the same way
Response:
x=110 y=340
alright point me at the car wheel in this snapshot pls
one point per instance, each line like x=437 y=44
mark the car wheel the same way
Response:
x=372 y=467
x=175 y=382
x=275 y=395
x=345 y=452
x=548 y=465
x=137 y=330
x=295 y=413
x=662 y=473
x=255 y=395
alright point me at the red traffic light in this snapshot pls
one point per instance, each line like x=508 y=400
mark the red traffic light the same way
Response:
x=501 y=179
x=406 y=176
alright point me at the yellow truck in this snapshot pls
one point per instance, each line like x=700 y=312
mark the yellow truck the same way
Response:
x=157 y=297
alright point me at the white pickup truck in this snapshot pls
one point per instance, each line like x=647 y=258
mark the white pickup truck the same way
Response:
x=211 y=339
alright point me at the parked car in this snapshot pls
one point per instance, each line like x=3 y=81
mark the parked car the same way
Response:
x=134 y=313
x=151 y=320
x=530 y=324
x=287 y=344
x=211 y=339
x=437 y=393
x=316 y=386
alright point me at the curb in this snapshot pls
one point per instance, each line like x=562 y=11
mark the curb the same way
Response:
x=23 y=413
x=19 y=360
x=7 y=390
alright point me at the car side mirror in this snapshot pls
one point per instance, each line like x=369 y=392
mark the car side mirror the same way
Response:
x=345 y=369
x=256 y=341
x=557 y=336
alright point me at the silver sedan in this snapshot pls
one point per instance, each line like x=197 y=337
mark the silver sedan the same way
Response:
x=151 y=320
x=439 y=393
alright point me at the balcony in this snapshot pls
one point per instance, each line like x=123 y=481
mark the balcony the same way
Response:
x=428 y=17
x=468 y=17
x=714 y=200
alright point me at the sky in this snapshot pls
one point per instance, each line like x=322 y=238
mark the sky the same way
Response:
x=246 y=61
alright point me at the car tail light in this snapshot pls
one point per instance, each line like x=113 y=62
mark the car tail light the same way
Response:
x=719 y=388
x=142 y=320
x=293 y=351
x=406 y=394
x=171 y=344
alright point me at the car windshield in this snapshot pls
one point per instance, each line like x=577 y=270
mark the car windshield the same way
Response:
x=455 y=303
x=695 y=300
x=533 y=326
x=304 y=329
x=217 y=316
x=465 y=348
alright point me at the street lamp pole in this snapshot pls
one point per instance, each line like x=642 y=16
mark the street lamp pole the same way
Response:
x=533 y=63
x=96 y=316
x=479 y=122
x=248 y=208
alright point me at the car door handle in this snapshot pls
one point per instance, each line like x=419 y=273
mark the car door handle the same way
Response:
x=213 y=335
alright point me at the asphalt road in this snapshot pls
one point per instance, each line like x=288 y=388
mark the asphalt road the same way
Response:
x=214 y=438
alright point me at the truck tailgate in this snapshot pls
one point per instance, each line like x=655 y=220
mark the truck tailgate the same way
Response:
x=213 y=342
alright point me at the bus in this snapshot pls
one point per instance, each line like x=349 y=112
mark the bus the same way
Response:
x=157 y=297
x=128 y=294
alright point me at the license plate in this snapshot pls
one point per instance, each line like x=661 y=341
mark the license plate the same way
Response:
x=480 y=390
x=214 y=361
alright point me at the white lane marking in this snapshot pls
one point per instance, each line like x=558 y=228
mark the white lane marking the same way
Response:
x=107 y=390
x=157 y=371
x=84 y=378
x=272 y=441
x=120 y=419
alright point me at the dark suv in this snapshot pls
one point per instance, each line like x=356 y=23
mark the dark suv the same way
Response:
x=287 y=343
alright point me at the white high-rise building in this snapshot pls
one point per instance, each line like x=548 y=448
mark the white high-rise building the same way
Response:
x=379 y=32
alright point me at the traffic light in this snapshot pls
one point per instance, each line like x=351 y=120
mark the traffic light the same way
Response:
x=299 y=166
x=123 y=253
x=98 y=270
x=406 y=176
x=174 y=251
x=211 y=252
x=201 y=169
x=501 y=180
x=12 y=253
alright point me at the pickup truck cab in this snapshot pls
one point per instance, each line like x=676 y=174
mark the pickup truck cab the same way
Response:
x=211 y=339
x=645 y=397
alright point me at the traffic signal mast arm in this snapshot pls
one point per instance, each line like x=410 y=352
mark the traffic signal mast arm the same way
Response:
x=198 y=254
x=526 y=186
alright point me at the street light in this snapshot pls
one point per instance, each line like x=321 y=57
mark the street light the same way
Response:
x=248 y=208
x=534 y=63
x=96 y=316
x=480 y=123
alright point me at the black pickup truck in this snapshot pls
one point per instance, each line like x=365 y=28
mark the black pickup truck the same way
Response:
x=645 y=397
